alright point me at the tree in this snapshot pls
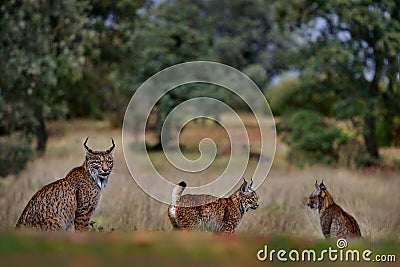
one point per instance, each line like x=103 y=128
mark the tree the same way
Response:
x=348 y=59
x=245 y=36
x=163 y=38
x=109 y=76
x=239 y=33
x=41 y=45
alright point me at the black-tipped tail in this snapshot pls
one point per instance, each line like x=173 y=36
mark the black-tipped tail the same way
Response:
x=177 y=192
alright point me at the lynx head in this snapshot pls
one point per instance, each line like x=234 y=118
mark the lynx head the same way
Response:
x=99 y=164
x=316 y=197
x=248 y=197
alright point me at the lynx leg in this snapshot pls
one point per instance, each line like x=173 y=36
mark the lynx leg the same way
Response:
x=49 y=224
x=228 y=229
x=326 y=223
x=82 y=222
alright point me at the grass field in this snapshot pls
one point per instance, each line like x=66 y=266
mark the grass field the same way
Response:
x=168 y=249
x=136 y=227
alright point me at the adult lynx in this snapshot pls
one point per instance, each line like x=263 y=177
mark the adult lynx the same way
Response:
x=335 y=222
x=68 y=203
x=206 y=212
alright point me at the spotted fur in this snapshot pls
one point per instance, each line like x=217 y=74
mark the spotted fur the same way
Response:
x=335 y=222
x=209 y=213
x=68 y=203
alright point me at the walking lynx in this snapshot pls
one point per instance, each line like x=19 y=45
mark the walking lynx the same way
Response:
x=68 y=203
x=335 y=222
x=209 y=213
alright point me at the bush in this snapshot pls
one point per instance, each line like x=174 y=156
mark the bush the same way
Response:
x=310 y=139
x=279 y=95
x=293 y=93
x=13 y=158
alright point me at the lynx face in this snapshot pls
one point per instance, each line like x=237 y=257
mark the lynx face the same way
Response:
x=249 y=199
x=314 y=200
x=99 y=165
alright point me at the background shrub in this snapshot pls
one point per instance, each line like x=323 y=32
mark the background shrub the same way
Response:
x=13 y=158
x=311 y=139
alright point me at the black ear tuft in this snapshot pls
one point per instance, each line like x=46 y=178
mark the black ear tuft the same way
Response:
x=244 y=186
x=111 y=149
x=322 y=186
x=251 y=183
x=87 y=149
x=182 y=184
x=316 y=185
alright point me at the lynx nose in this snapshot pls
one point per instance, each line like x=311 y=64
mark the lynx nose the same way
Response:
x=253 y=207
x=105 y=172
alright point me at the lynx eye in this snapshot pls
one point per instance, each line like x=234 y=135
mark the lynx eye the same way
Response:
x=96 y=163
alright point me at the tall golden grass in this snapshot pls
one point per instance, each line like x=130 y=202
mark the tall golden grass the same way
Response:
x=371 y=197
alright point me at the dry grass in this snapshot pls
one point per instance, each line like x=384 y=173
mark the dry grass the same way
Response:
x=371 y=197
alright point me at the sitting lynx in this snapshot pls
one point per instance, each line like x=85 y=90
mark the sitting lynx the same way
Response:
x=205 y=212
x=335 y=222
x=68 y=203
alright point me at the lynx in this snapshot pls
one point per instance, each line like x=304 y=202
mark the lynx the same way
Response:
x=68 y=203
x=209 y=213
x=335 y=222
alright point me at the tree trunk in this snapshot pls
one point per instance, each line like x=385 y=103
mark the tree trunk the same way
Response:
x=40 y=130
x=369 y=131
x=370 y=139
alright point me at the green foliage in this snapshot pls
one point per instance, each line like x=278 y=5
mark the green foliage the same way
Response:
x=199 y=31
x=347 y=61
x=162 y=43
x=384 y=132
x=257 y=73
x=311 y=139
x=86 y=58
x=13 y=157
x=158 y=248
x=279 y=95
x=40 y=48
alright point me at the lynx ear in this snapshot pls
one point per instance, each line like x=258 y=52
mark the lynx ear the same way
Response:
x=87 y=149
x=111 y=149
x=244 y=186
x=316 y=185
x=322 y=186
